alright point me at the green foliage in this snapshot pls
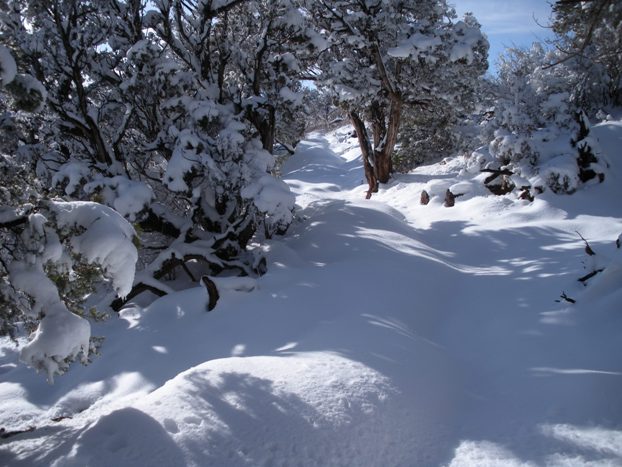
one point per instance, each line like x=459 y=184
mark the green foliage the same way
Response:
x=75 y=284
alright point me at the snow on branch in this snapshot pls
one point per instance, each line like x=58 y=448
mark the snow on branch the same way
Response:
x=107 y=239
x=96 y=234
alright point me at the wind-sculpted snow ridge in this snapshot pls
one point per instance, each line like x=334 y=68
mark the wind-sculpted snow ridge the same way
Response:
x=385 y=332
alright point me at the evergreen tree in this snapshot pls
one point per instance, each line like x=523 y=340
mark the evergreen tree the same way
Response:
x=590 y=34
x=384 y=56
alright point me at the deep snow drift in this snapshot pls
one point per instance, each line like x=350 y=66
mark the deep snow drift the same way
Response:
x=385 y=333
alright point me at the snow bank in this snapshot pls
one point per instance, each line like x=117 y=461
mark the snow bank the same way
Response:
x=72 y=174
x=317 y=408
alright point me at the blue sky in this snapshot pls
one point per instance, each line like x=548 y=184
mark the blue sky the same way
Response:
x=509 y=22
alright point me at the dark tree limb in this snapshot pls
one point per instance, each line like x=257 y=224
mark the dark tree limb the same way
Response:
x=139 y=288
x=155 y=223
x=588 y=276
x=212 y=292
x=566 y=298
x=367 y=151
x=588 y=248
x=7 y=434
x=290 y=149
x=14 y=223
x=495 y=173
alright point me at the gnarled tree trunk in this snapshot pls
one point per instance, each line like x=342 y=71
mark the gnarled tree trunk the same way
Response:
x=367 y=151
x=377 y=160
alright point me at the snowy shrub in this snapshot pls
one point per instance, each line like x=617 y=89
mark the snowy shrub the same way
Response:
x=589 y=39
x=534 y=132
x=169 y=114
x=51 y=250
x=53 y=254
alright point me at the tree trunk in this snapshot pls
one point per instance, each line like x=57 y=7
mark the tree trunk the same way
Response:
x=265 y=126
x=368 y=153
x=384 y=150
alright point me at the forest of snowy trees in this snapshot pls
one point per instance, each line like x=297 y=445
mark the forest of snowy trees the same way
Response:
x=141 y=139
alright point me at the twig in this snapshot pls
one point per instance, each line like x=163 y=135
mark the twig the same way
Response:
x=565 y=297
x=588 y=248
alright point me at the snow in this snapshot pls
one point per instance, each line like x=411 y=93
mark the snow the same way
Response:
x=128 y=197
x=288 y=95
x=73 y=173
x=182 y=161
x=272 y=197
x=415 y=45
x=31 y=86
x=466 y=39
x=61 y=335
x=8 y=68
x=385 y=332
x=106 y=241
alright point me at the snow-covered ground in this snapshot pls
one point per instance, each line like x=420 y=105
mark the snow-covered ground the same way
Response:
x=385 y=333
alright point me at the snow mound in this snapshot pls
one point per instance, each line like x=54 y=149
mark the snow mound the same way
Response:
x=317 y=408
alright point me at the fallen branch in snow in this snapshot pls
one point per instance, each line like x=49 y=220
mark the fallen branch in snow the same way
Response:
x=60 y=418
x=495 y=173
x=565 y=297
x=14 y=222
x=526 y=194
x=139 y=288
x=212 y=292
x=588 y=276
x=290 y=149
x=588 y=248
x=7 y=434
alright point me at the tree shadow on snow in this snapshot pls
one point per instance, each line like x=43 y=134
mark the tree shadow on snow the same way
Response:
x=241 y=419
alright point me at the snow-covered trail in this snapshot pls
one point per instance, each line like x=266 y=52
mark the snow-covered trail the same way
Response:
x=497 y=362
x=384 y=333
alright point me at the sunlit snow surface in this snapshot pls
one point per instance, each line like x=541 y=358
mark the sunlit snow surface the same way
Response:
x=385 y=333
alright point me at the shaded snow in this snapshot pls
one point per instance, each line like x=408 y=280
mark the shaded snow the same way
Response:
x=384 y=333
x=8 y=68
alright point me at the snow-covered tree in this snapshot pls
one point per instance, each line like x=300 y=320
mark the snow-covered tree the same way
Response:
x=534 y=134
x=383 y=56
x=269 y=52
x=589 y=33
x=209 y=168
x=52 y=254
x=168 y=116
